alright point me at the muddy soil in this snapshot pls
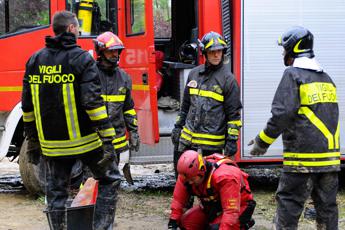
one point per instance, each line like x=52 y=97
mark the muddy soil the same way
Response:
x=143 y=206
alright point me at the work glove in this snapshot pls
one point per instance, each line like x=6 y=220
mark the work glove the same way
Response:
x=230 y=148
x=134 y=141
x=172 y=224
x=33 y=151
x=109 y=155
x=257 y=150
x=213 y=227
x=175 y=135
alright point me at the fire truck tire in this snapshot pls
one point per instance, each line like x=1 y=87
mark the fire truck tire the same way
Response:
x=32 y=175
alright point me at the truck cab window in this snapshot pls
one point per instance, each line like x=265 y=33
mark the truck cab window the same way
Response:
x=94 y=16
x=20 y=16
x=162 y=18
x=135 y=17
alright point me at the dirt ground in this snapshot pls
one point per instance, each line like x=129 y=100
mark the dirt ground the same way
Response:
x=136 y=209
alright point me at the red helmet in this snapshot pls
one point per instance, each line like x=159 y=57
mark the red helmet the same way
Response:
x=108 y=41
x=191 y=164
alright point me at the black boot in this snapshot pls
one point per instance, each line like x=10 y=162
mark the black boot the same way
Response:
x=57 y=220
x=104 y=214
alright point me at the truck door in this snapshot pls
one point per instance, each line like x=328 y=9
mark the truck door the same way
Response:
x=138 y=60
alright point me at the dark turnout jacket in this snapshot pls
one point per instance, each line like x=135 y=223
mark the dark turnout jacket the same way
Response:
x=211 y=102
x=305 y=111
x=62 y=99
x=116 y=92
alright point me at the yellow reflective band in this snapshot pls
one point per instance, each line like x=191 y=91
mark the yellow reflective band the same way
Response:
x=201 y=161
x=72 y=151
x=111 y=41
x=319 y=124
x=113 y=98
x=221 y=41
x=280 y=40
x=28 y=116
x=71 y=111
x=311 y=163
x=107 y=132
x=202 y=135
x=97 y=114
x=237 y=122
x=204 y=93
x=204 y=142
x=311 y=155
x=209 y=43
x=184 y=136
x=11 y=88
x=70 y=143
x=131 y=112
x=296 y=49
x=135 y=122
x=318 y=92
x=141 y=87
x=265 y=138
x=118 y=146
x=36 y=102
x=233 y=132
x=336 y=136
x=119 y=139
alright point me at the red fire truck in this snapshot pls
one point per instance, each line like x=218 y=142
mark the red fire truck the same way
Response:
x=172 y=28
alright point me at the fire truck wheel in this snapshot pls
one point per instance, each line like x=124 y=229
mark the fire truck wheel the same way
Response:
x=32 y=175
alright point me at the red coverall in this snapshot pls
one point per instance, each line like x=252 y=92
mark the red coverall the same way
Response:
x=230 y=190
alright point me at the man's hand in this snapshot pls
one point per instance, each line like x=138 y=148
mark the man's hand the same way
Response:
x=256 y=149
x=230 y=148
x=109 y=156
x=172 y=224
x=175 y=135
x=33 y=151
x=134 y=141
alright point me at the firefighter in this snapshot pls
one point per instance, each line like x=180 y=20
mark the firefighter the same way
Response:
x=226 y=201
x=63 y=110
x=209 y=118
x=305 y=111
x=116 y=92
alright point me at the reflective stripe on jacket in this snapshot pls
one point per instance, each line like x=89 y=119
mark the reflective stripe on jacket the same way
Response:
x=305 y=110
x=211 y=99
x=62 y=96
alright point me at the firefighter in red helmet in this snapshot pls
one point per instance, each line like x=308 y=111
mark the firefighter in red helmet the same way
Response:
x=209 y=118
x=226 y=201
x=116 y=92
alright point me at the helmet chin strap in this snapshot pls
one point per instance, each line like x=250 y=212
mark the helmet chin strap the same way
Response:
x=109 y=63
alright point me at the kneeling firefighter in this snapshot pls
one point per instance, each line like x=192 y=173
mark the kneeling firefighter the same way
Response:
x=116 y=92
x=226 y=201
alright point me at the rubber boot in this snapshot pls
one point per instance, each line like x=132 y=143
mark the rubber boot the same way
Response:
x=57 y=220
x=104 y=214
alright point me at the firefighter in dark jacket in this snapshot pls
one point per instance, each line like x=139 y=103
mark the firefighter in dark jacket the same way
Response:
x=305 y=111
x=210 y=112
x=63 y=110
x=226 y=201
x=116 y=92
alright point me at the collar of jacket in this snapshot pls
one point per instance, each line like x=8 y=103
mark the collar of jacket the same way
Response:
x=106 y=66
x=307 y=63
x=65 y=40
x=210 y=68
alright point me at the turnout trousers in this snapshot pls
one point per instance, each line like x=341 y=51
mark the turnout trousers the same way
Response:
x=58 y=171
x=295 y=188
